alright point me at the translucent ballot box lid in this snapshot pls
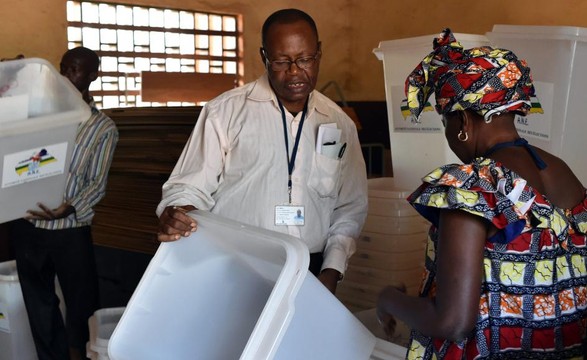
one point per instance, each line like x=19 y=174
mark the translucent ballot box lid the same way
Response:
x=424 y=42
x=539 y=32
x=233 y=291
x=225 y=292
x=34 y=97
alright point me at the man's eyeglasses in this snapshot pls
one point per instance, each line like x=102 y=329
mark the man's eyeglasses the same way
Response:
x=303 y=63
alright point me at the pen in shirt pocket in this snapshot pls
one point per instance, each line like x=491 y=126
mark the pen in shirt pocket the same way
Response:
x=341 y=152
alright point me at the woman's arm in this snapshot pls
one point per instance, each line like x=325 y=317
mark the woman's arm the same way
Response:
x=453 y=312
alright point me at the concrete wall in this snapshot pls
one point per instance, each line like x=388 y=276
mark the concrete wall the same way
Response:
x=349 y=29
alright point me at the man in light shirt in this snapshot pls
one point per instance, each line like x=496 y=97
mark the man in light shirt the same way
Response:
x=254 y=148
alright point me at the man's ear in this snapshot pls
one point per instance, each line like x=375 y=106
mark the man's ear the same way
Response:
x=93 y=76
x=262 y=53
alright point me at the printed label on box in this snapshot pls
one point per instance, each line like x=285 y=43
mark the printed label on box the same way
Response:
x=4 y=321
x=429 y=119
x=34 y=164
x=538 y=125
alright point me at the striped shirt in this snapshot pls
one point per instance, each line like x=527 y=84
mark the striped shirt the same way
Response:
x=86 y=183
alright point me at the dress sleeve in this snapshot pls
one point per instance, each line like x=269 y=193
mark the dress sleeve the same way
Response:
x=579 y=214
x=481 y=189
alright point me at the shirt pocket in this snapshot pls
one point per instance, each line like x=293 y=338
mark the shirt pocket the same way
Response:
x=324 y=175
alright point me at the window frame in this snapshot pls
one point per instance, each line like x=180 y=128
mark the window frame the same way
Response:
x=127 y=94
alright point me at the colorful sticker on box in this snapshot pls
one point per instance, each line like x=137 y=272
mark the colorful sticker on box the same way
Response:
x=34 y=164
x=538 y=125
x=429 y=120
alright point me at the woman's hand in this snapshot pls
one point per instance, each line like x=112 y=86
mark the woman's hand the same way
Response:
x=385 y=319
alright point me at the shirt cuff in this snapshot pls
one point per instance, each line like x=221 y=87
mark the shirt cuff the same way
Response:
x=82 y=211
x=181 y=195
x=337 y=252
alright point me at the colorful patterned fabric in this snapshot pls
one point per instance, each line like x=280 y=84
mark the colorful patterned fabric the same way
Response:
x=534 y=290
x=484 y=79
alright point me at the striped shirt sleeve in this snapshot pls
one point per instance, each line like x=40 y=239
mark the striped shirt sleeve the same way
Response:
x=88 y=172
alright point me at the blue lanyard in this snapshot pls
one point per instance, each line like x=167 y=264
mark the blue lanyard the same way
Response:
x=292 y=160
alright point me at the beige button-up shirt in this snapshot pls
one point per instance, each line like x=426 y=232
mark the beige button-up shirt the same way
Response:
x=235 y=164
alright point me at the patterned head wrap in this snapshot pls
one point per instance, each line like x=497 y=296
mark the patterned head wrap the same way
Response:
x=483 y=79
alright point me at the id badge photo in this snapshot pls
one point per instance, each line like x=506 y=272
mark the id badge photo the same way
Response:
x=292 y=215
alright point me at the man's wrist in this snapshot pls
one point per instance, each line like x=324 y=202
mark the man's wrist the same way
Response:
x=333 y=274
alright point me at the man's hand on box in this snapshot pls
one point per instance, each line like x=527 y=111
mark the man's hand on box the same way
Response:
x=64 y=210
x=175 y=223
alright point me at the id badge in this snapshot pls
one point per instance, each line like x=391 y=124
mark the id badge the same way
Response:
x=289 y=215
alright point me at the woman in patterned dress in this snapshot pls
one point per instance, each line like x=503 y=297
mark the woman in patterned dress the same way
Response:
x=506 y=274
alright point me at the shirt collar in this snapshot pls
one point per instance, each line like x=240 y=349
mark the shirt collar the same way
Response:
x=92 y=105
x=262 y=91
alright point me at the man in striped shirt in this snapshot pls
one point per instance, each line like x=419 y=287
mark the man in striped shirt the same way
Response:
x=51 y=242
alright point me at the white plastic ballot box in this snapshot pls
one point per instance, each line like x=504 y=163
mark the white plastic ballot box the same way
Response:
x=557 y=57
x=416 y=149
x=101 y=325
x=40 y=111
x=16 y=340
x=232 y=291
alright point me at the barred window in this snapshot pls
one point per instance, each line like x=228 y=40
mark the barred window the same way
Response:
x=136 y=43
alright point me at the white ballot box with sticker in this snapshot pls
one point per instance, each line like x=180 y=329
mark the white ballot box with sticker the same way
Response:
x=416 y=149
x=40 y=111
x=556 y=56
